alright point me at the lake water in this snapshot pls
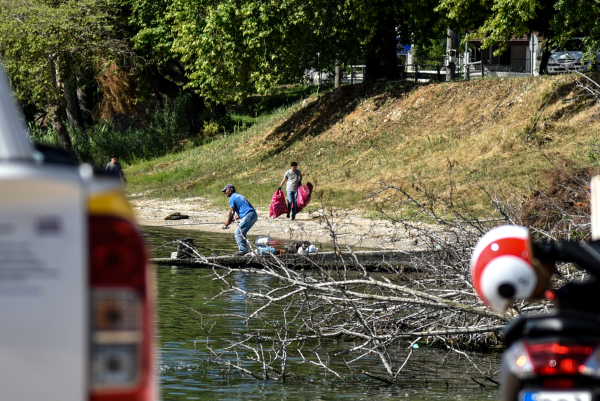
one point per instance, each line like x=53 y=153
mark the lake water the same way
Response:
x=186 y=373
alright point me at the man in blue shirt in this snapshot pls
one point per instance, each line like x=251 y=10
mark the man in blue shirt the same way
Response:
x=239 y=205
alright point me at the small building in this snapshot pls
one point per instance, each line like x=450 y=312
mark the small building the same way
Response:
x=519 y=59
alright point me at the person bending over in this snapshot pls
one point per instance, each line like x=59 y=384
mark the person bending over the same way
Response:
x=245 y=211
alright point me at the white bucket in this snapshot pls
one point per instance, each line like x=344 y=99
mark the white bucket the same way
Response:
x=263 y=241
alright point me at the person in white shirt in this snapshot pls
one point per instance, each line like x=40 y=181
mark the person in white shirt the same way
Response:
x=294 y=179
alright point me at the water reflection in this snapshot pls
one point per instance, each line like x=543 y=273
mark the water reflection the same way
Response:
x=161 y=241
x=187 y=374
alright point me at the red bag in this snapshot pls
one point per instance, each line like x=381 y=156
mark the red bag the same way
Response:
x=304 y=194
x=278 y=205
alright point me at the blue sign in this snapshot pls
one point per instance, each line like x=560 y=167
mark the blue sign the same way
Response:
x=402 y=50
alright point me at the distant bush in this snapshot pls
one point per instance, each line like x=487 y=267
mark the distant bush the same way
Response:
x=221 y=126
x=43 y=136
x=166 y=131
x=211 y=128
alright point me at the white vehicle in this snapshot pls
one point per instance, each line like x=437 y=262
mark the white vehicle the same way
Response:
x=75 y=293
x=568 y=59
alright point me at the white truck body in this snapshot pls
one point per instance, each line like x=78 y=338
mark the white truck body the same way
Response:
x=75 y=303
x=44 y=326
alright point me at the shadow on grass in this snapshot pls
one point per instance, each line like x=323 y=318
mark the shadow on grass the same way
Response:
x=317 y=117
x=256 y=105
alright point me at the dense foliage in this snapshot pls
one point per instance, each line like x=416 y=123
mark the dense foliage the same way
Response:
x=49 y=48
x=555 y=21
x=93 y=61
x=166 y=130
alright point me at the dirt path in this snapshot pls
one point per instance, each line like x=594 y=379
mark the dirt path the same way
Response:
x=351 y=229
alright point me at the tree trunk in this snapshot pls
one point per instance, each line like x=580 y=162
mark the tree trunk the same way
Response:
x=381 y=51
x=449 y=47
x=57 y=106
x=56 y=112
x=160 y=83
x=544 y=61
x=217 y=110
x=338 y=74
x=74 y=115
x=86 y=87
x=195 y=113
x=86 y=104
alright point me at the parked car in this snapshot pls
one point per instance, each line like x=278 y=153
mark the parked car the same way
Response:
x=76 y=298
x=568 y=59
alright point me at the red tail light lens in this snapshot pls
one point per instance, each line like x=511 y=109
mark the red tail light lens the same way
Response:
x=118 y=255
x=121 y=347
x=558 y=359
x=559 y=383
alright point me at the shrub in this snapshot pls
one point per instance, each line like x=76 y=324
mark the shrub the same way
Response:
x=166 y=131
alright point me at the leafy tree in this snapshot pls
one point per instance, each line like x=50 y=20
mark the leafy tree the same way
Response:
x=232 y=47
x=45 y=44
x=575 y=18
x=152 y=36
x=497 y=21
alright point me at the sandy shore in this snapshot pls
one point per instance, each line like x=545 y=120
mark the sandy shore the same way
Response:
x=350 y=228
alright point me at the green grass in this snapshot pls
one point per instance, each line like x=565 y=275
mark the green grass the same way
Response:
x=204 y=170
x=356 y=144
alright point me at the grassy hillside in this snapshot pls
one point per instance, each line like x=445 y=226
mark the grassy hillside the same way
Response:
x=468 y=133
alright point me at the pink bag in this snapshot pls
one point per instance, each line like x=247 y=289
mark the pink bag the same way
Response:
x=304 y=194
x=278 y=205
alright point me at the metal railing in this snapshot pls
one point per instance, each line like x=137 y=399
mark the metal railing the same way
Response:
x=429 y=60
x=465 y=70
x=514 y=65
x=422 y=71
x=355 y=74
x=431 y=69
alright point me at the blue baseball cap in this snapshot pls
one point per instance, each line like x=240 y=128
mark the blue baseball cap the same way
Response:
x=228 y=186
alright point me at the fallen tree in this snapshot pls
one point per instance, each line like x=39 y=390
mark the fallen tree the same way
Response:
x=333 y=318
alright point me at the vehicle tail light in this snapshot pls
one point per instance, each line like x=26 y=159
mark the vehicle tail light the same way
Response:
x=518 y=360
x=121 y=347
x=554 y=358
x=559 y=383
x=549 y=359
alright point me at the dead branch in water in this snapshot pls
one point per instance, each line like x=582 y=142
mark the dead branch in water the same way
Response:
x=335 y=318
